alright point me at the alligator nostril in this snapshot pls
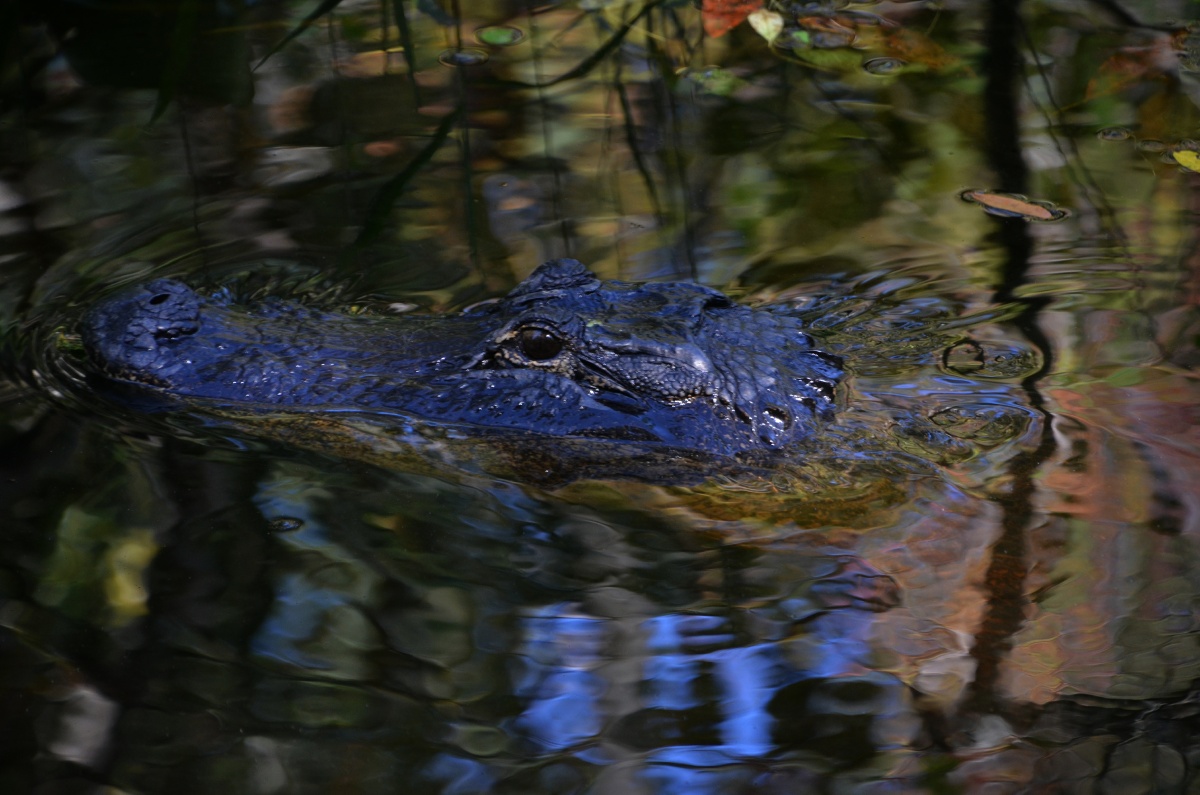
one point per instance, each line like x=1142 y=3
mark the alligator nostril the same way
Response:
x=174 y=332
x=161 y=298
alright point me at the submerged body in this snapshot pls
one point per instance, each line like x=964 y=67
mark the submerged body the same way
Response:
x=565 y=354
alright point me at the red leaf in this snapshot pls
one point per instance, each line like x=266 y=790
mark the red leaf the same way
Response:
x=722 y=16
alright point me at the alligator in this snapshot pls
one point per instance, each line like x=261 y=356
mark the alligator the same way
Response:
x=565 y=355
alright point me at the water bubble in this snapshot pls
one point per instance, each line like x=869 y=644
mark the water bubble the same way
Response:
x=925 y=440
x=500 y=35
x=466 y=57
x=1114 y=134
x=990 y=359
x=984 y=424
x=884 y=66
x=285 y=524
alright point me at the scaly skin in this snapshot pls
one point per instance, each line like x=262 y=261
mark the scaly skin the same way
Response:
x=563 y=355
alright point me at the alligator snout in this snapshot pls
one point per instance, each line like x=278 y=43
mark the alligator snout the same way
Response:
x=131 y=332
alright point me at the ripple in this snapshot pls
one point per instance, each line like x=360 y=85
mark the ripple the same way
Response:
x=991 y=359
x=984 y=424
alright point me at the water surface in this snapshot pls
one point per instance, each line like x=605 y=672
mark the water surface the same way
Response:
x=983 y=577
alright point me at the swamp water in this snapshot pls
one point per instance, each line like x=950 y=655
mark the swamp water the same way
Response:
x=982 y=577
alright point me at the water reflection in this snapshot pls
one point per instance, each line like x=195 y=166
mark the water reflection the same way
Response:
x=621 y=683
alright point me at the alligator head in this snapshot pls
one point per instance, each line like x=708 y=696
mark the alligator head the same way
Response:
x=565 y=354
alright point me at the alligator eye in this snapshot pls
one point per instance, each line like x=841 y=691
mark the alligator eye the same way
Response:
x=539 y=345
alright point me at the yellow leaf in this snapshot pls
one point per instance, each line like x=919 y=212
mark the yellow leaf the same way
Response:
x=767 y=24
x=1187 y=158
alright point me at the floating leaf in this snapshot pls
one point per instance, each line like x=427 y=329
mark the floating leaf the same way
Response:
x=500 y=35
x=722 y=16
x=767 y=24
x=1188 y=158
x=1012 y=205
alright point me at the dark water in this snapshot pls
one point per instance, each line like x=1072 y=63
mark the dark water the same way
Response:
x=983 y=577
